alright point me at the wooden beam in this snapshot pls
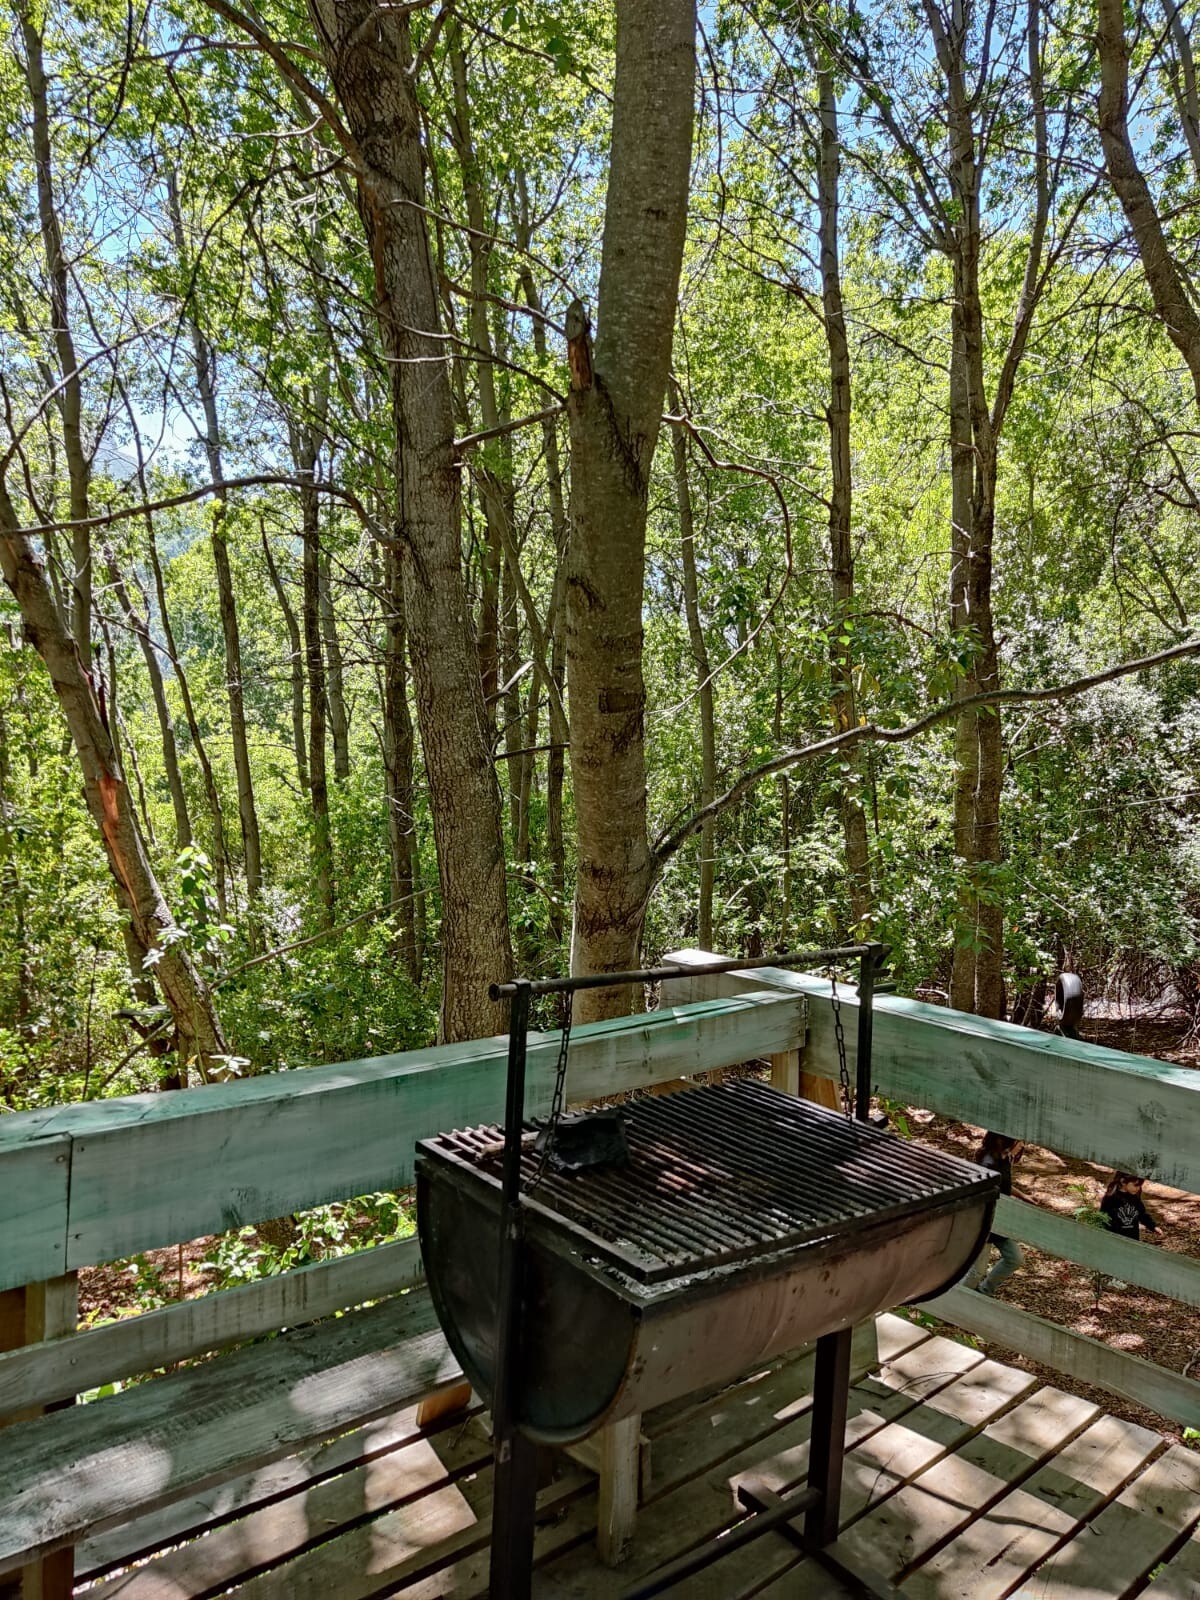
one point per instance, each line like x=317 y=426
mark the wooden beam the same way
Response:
x=35 y=1180
x=94 y=1466
x=156 y=1169
x=38 y=1311
x=60 y=1368
x=1134 y=1261
x=1080 y=1099
x=620 y=1480
x=1086 y=1360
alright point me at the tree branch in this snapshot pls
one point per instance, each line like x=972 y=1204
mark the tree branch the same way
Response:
x=871 y=733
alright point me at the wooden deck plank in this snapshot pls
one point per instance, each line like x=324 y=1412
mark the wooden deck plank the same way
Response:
x=1180 y=1578
x=396 y=1553
x=942 y=1500
x=706 y=1504
x=1112 y=1555
x=991 y=1555
x=1017 y=1534
x=277 y=1533
x=185 y=1519
x=91 y=1467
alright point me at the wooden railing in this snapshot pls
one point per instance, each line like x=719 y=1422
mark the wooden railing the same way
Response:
x=85 y=1184
x=1066 y=1095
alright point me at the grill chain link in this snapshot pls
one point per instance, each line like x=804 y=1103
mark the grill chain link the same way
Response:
x=839 y=1034
x=560 y=1085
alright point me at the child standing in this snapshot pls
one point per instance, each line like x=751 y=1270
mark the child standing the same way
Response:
x=1124 y=1207
x=997 y=1153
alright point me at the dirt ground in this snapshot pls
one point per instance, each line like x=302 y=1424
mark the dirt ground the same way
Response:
x=1127 y=1318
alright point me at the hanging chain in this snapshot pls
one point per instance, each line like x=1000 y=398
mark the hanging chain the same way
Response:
x=839 y=1033
x=560 y=1086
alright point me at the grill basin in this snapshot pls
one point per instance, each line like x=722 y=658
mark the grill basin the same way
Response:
x=747 y=1223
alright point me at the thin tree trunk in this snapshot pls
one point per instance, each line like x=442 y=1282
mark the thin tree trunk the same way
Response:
x=398 y=765
x=70 y=390
x=108 y=799
x=704 y=688
x=226 y=600
x=212 y=794
x=339 y=724
x=12 y=888
x=367 y=49
x=296 y=660
x=1168 y=290
x=139 y=626
x=841 y=548
x=615 y=405
x=304 y=450
x=1183 y=81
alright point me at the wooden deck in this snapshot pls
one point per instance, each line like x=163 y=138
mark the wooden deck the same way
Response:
x=965 y=1480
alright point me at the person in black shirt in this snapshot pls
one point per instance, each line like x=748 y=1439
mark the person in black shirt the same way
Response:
x=997 y=1153
x=1124 y=1207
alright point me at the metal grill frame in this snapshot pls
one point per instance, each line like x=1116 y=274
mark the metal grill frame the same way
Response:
x=515 y=1478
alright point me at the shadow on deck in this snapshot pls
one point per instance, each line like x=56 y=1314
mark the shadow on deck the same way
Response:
x=964 y=1478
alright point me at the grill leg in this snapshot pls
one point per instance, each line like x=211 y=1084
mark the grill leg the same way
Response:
x=514 y=1506
x=831 y=1393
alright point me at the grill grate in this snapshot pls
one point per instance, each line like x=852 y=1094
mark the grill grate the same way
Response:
x=725 y=1173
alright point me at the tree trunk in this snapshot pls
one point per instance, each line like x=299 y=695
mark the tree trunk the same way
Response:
x=296 y=661
x=368 y=52
x=339 y=723
x=69 y=398
x=615 y=405
x=1168 y=290
x=704 y=688
x=140 y=628
x=108 y=798
x=304 y=450
x=216 y=812
x=398 y=765
x=845 y=711
x=226 y=600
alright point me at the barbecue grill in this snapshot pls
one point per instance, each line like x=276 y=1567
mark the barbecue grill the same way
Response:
x=746 y=1223
x=741 y=1224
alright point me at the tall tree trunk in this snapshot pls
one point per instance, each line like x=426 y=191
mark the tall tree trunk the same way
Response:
x=367 y=49
x=69 y=397
x=212 y=794
x=966 y=743
x=339 y=723
x=205 y=369
x=1183 y=80
x=296 y=661
x=108 y=798
x=1168 y=289
x=614 y=407
x=398 y=765
x=704 y=688
x=139 y=626
x=841 y=548
x=304 y=450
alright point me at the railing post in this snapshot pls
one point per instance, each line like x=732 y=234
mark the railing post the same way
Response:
x=28 y=1315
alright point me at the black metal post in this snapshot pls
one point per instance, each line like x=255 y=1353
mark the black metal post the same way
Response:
x=514 y=1488
x=868 y=966
x=827 y=1447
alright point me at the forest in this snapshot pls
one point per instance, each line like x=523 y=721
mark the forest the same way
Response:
x=526 y=487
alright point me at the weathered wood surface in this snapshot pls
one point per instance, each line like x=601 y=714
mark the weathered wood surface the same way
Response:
x=940 y=1502
x=92 y=1466
x=1111 y=1554
x=1016 y=1534
x=1086 y=1360
x=240 y=1497
x=1135 y=1261
x=55 y=1369
x=286 y=1529
x=156 y=1169
x=35 y=1181
x=1180 y=1578
x=1081 y=1099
